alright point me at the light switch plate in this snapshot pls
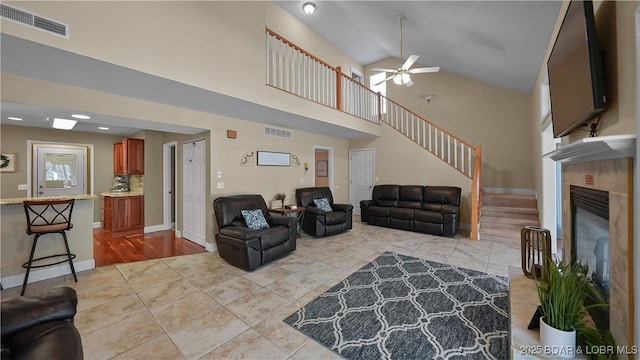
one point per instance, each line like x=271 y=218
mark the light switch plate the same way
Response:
x=301 y=181
x=220 y=185
x=22 y=186
x=219 y=174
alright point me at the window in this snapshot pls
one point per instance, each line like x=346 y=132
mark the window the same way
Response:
x=381 y=87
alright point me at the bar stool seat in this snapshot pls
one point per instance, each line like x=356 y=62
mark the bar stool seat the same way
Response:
x=48 y=217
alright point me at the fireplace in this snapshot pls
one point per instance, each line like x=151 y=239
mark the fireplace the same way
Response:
x=590 y=243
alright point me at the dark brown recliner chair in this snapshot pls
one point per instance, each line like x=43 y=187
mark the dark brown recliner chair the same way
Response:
x=316 y=222
x=40 y=326
x=246 y=248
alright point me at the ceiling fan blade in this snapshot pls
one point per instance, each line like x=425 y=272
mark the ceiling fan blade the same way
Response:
x=424 y=70
x=407 y=64
x=387 y=79
x=408 y=83
x=385 y=70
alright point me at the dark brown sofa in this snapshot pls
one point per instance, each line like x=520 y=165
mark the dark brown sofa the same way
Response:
x=426 y=209
x=40 y=326
x=243 y=247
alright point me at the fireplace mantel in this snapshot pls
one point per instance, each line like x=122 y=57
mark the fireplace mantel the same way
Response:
x=595 y=148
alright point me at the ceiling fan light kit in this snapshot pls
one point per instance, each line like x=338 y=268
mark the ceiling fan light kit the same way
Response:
x=401 y=74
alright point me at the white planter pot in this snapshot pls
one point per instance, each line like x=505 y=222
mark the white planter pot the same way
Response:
x=557 y=342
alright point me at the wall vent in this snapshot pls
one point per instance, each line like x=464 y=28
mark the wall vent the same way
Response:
x=33 y=20
x=283 y=133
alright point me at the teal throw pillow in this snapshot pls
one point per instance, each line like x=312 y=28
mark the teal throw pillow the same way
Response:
x=255 y=219
x=322 y=204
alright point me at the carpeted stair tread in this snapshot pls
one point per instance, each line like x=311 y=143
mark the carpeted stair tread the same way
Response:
x=515 y=220
x=500 y=235
x=510 y=209
x=509 y=200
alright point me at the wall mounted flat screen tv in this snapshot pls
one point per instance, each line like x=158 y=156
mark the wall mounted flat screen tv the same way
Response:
x=576 y=73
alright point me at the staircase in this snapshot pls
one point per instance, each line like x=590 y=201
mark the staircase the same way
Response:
x=503 y=215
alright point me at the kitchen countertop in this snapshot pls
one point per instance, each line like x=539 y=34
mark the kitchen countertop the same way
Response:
x=122 y=194
x=13 y=201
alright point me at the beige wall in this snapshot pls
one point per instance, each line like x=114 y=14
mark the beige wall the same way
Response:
x=14 y=140
x=398 y=161
x=479 y=113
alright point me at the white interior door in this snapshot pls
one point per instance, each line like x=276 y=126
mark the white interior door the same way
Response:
x=60 y=170
x=193 y=192
x=361 y=176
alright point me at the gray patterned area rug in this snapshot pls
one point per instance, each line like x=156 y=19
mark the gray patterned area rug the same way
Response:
x=401 y=307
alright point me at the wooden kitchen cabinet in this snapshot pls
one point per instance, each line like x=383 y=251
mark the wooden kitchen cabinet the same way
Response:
x=128 y=157
x=123 y=215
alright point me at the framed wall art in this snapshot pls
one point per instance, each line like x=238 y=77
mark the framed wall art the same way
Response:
x=321 y=168
x=7 y=162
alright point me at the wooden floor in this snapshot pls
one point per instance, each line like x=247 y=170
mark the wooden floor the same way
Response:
x=109 y=250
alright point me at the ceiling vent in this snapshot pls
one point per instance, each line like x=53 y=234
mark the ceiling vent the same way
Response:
x=283 y=133
x=33 y=20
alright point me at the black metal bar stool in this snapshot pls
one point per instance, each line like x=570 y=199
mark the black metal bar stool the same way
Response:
x=48 y=217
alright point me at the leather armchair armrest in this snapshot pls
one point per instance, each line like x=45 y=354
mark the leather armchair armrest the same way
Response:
x=450 y=209
x=239 y=232
x=314 y=211
x=367 y=202
x=288 y=221
x=343 y=207
x=25 y=312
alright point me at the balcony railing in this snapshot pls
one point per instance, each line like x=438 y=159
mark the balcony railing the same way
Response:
x=296 y=71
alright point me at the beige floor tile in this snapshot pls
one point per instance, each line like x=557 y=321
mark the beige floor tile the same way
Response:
x=119 y=337
x=267 y=275
x=206 y=332
x=34 y=287
x=232 y=289
x=94 y=279
x=114 y=291
x=498 y=269
x=181 y=311
x=427 y=255
x=199 y=265
x=159 y=348
x=207 y=279
x=293 y=262
x=90 y=320
x=464 y=262
x=320 y=272
x=248 y=345
x=345 y=261
x=166 y=292
x=280 y=333
x=148 y=280
x=308 y=297
x=293 y=286
x=140 y=268
x=254 y=307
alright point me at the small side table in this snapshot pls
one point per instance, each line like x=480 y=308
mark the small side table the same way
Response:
x=298 y=212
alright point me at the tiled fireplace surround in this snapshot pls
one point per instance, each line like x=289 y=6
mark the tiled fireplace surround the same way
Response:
x=614 y=176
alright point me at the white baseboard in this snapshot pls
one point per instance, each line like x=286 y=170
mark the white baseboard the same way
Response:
x=510 y=191
x=97 y=225
x=178 y=233
x=154 y=228
x=210 y=247
x=47 y=273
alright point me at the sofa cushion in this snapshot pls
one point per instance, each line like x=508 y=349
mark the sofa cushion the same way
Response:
x=428 y=216
x=401 y=213
x=375 y=210
x=273 y=236
x=386 y=195
x=322 y=204
x=442 y=195
x=255 y=219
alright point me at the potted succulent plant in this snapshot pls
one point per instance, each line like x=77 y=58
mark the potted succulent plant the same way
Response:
x=561 y=289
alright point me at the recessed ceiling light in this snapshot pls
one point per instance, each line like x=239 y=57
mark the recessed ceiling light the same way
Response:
x=14 y=118
x=80 y=116
x=103 y=128
x=309 y=8
x=63 y=124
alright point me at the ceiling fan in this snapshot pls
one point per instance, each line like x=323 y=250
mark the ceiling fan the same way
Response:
x=401 y=74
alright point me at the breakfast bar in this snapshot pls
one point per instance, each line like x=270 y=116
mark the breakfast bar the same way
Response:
x=15 y=244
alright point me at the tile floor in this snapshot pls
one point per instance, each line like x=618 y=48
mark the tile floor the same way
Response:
x=199 y=307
